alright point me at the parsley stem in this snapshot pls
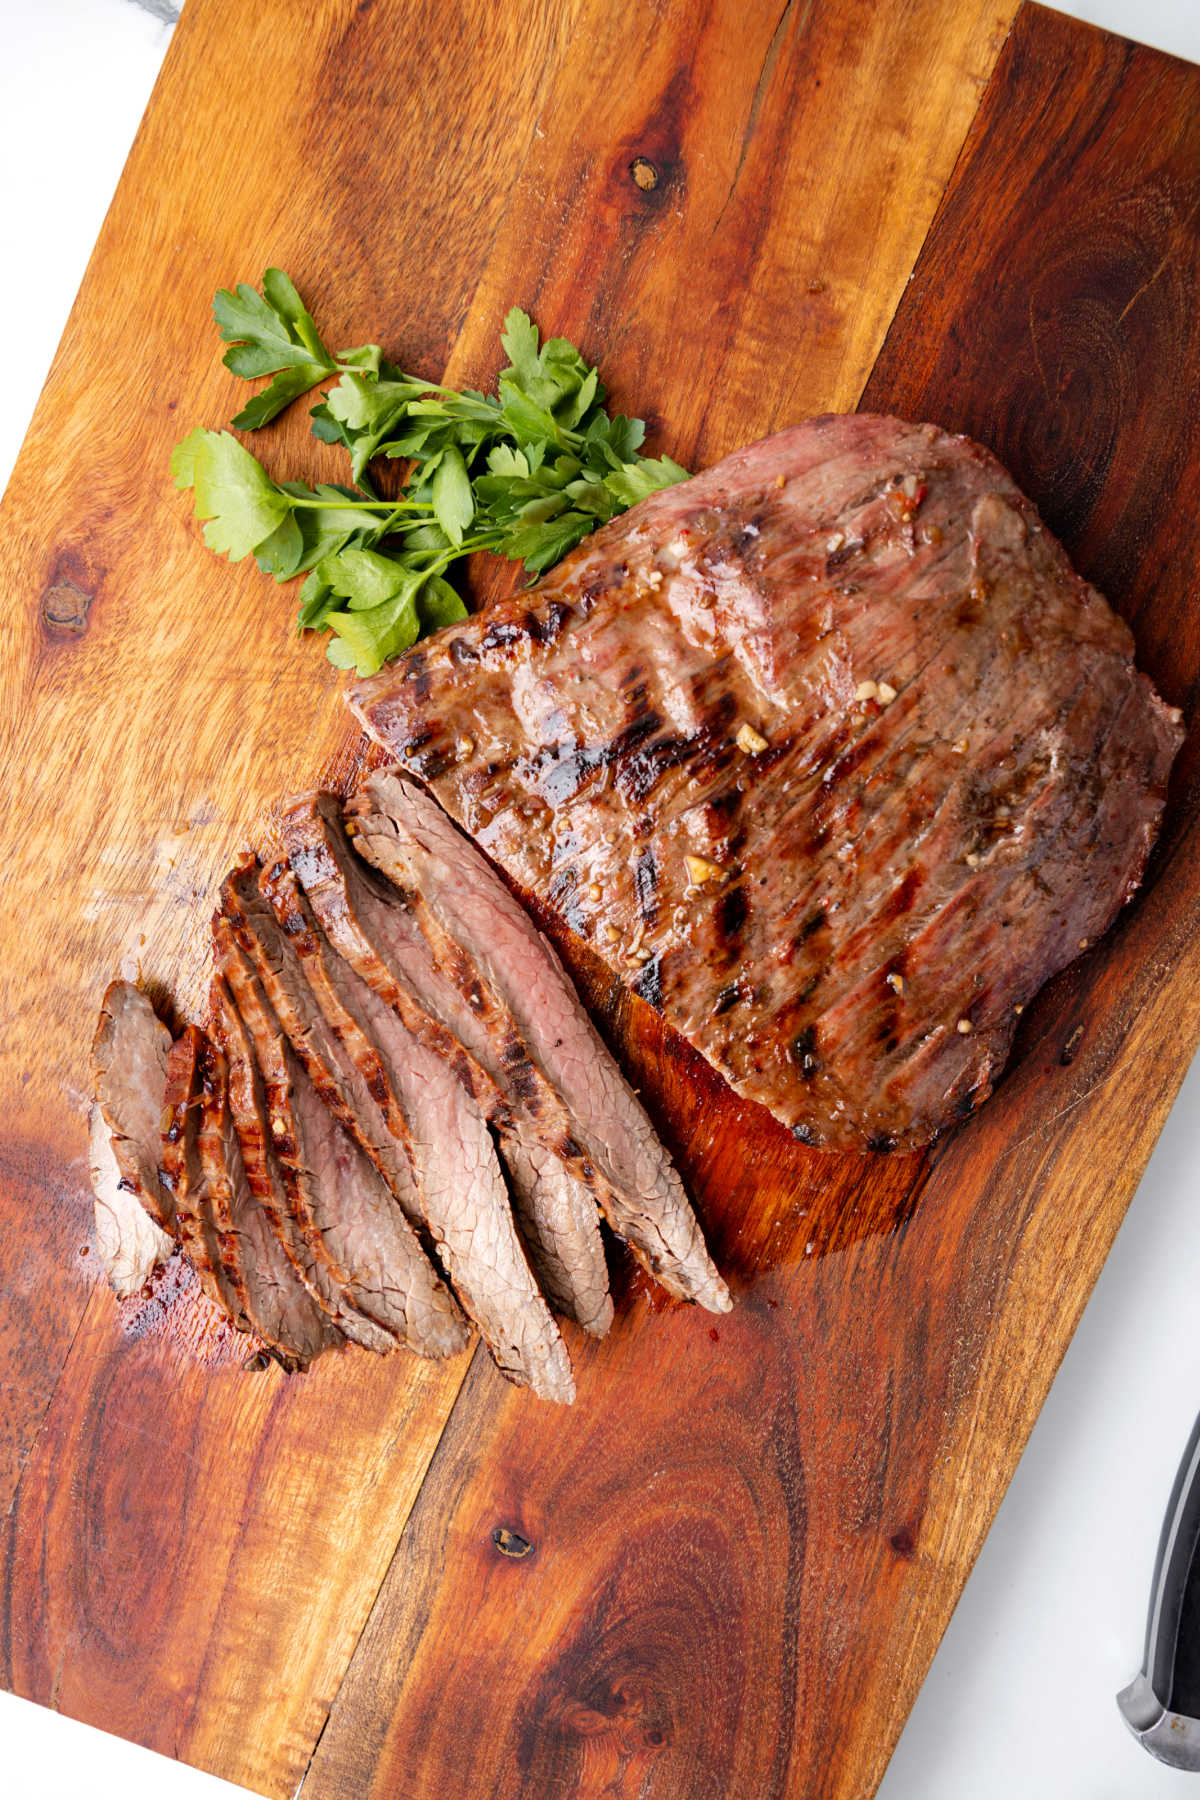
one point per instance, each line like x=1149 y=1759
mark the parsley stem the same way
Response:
x=386 y=507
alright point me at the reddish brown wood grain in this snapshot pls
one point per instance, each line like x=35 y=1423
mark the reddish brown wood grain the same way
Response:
x=742 y=1546
x=190 y=1551
x=736 y=1585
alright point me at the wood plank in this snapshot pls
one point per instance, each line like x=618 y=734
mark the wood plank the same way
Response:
x=736 y=1581
x=191 y=1551
x=163 y=688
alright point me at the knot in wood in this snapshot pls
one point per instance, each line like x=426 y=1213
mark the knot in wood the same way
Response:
x=644 y=173
x=510 y=1543
x=64 y=610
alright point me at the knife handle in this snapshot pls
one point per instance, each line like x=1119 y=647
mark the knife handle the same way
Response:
x=1155 y=1706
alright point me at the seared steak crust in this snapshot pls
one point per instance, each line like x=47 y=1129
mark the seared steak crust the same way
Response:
x=828 y=752
x=188 y=1078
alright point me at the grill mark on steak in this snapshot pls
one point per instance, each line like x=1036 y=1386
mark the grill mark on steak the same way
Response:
x=462 y=902
x=890 y=554
x=460 y=1192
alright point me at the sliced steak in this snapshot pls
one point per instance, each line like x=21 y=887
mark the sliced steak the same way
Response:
x=272 y=1300
x=129 y=1241
x=393 y=1281
x=192 y=1075
x=389 y=949
x=273 y=1242
x=556 y=1214
x=379 y=940
x=828 y=752
x=129 y=1074
x=472 y=922
x=464 y=1205
x=557 y=1218
x=329 y=1198
x=346 y=1078
x=247 y=1106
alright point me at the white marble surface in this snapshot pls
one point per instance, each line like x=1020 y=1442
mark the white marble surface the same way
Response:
x=1019 y=1703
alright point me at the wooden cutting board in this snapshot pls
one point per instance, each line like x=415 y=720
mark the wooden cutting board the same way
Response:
x=725 y=1571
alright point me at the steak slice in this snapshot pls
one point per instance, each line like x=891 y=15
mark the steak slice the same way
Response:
x=328 y=1196
x=556 y=1214
x=462 y=1197
x=380 y=941
x=371 y=927
x=827 y=752
x=273 y=1240
x=557 y=1218
x=393 y=1281
x=129 y=1074
x=347 y=1082
x=483 y=938
x=192 y=1074
x=273 y=1302
x=130 y=1243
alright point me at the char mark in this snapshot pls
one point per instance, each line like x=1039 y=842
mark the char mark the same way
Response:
x=559 y=777
x=503 y=634
x=645 y=877
x=731 y=912
x=811 y=925
x=728 y=997
x=544 y=627
x=638 y=775
x=561 y=891
x=563 y=895
x=649 y=983
x=804 y=1052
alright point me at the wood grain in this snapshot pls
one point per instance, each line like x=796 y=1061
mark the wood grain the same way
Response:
x=152 y=700
x=737 y=1586
x=745 y=1540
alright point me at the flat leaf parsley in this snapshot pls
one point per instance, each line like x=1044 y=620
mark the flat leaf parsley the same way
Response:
x=525 y=473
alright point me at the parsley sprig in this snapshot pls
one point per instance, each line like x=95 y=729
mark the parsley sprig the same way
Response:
x=525 y=473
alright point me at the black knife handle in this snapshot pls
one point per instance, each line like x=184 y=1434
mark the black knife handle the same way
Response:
x=1161 y=1705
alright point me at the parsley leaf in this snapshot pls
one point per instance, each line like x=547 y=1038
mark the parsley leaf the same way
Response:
x=524 y=473
x=453 y=501
x=232 y=492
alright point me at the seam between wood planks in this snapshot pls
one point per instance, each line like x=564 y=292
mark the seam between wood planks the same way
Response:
x=439 y=1450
